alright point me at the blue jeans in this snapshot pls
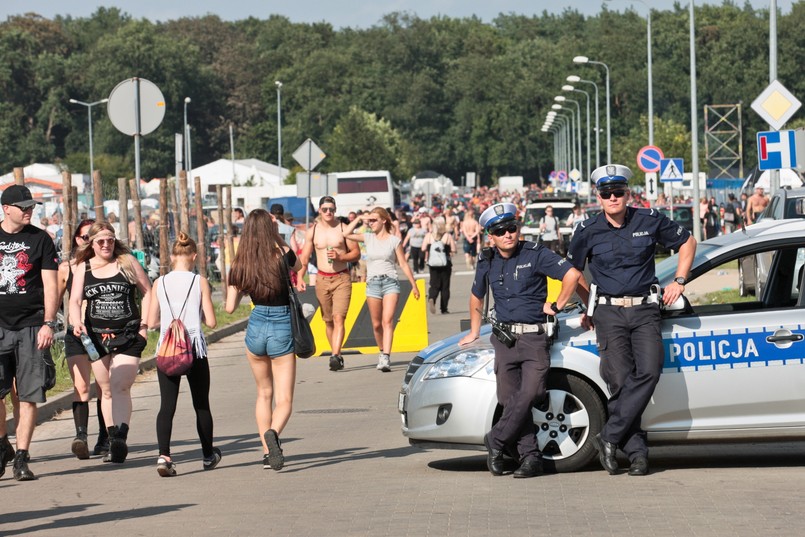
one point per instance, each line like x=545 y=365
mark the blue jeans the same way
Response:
x=269 y=331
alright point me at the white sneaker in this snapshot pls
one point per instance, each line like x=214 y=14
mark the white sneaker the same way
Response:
x=384 y=363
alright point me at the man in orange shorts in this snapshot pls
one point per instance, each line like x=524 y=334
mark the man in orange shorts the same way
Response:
x=333 y=282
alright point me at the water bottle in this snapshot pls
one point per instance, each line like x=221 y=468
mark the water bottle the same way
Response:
x=90 y=348
x=329 y=259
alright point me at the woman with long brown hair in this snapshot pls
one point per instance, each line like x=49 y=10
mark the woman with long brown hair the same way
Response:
x=107 y=276
x=261 y=271
x=383 y=252
x=77 y=360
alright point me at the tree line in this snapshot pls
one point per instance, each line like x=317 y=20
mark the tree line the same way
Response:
x=407 y=94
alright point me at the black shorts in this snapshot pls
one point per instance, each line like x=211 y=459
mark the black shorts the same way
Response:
x=72 y=344
x=134 y=347
x=471 y=248
x=32 y=368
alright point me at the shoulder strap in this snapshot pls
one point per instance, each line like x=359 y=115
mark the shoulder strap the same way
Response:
x=165 y=291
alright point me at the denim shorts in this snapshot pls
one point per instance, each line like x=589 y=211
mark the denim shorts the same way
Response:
x=380 y=286
x=269 y=331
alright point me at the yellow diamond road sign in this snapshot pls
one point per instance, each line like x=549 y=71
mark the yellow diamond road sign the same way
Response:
x=776 y=105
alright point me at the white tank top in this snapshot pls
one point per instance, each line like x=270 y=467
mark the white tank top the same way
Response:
x=178 y=282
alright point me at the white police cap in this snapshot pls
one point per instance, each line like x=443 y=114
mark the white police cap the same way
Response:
x=611 y=174
x=497 y=214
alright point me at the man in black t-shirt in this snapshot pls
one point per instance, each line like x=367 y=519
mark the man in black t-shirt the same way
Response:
x=28 y=304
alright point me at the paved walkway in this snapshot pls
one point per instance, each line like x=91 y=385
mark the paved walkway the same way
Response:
x=350 y=472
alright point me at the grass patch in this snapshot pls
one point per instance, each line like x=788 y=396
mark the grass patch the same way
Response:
x=728 y=296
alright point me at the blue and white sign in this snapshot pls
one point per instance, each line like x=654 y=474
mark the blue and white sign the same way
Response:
x=776 y=150
x=671 y=170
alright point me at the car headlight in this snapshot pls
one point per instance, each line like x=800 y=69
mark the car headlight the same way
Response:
x=464 y=364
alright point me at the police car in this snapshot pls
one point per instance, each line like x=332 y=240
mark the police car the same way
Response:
x=734 y=366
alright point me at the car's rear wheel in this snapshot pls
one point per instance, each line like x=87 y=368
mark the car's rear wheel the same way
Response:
x=567 y=420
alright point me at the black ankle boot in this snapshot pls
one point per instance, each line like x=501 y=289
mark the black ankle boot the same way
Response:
x=111 y=432
x=80 y=448
x=117 y=443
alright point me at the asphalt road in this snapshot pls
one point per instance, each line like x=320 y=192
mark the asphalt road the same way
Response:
x=349 y=471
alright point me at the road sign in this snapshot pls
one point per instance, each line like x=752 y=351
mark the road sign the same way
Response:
x=308 y=155
x=776 y=150
x=316 y=184
x=651 y=186
x=648 y=158
x=575 y=174
x=776 y=105
x=561 y=175
x=122 y=107
x=672 y=170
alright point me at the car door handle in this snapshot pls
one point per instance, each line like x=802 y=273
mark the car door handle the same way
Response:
x=779 y=339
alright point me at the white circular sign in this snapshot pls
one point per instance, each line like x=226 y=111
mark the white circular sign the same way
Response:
x=122 y=107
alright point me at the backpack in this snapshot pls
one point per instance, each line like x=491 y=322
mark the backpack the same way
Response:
x=175 y=355
x=729 y=213
x=437 y=254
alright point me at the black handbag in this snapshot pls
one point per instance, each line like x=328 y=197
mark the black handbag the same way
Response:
x=304 y=345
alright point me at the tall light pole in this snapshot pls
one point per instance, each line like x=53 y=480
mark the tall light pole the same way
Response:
x=694 y=131
x=568 y=87
x=279 y=127
x=572 y=133
x=89 y=123
x=585 y=59
x=562 y=99
x=574 y=79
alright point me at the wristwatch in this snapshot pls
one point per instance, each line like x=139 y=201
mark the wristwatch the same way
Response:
x=51 y=324
x=680 y=280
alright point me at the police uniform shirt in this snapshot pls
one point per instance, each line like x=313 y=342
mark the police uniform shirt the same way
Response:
x=622 y=259
x=518 y=283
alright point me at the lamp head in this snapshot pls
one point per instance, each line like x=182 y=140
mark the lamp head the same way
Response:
x=560 y=98
x=73 y=101
x=573 y=78
x=567 y=87
x=581 y=59
x=278 y=83
x=187 y=99
x=556 y=106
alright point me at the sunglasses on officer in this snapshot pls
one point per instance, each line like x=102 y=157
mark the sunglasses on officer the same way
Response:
x=607 y=193
x=499 y=232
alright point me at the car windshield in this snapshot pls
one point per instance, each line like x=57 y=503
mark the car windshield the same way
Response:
x=666 y=269
x=533 y=216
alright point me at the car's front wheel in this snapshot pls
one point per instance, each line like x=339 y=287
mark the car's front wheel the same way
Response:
x=567 y=420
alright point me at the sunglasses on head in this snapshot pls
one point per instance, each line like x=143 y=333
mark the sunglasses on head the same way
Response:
x=608 y=193
x=499 y=232
x=327 y=209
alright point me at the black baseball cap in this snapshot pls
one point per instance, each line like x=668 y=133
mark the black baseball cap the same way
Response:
x=18 y=195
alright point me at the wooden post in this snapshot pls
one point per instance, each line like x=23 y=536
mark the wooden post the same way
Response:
x=138 y=215
x=123 y=200
x=19 y=176
x=74 y=204
x=230 y=241
x=164 y=250
x=183 y=216
x=97 y=191
x=68 y=219
x=201 y=231
x=221 y=237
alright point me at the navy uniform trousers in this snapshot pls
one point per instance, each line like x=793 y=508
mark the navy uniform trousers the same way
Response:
x=521 y=374
x=631 y=351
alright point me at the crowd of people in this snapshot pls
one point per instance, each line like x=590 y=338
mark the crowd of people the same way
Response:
x=112 y=302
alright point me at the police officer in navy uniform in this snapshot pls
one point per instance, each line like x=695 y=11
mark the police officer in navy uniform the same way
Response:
x=618 y=244
x=516 y=272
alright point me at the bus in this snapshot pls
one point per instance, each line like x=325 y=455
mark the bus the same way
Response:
x=365 y=190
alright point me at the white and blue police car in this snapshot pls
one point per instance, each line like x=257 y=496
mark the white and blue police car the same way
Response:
x=734 y=366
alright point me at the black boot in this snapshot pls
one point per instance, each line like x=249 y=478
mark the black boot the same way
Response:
x=7 y=454
x=117 y=443
x=102 y=445
x=80 y=448
x=111 y=432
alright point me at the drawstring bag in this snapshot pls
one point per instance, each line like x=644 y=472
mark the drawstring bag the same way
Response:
x=175 y=355
x=304 y=344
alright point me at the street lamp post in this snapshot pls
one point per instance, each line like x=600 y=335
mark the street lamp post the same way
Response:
x=574 y=78
x=561 y=99
x=571 y=135
x=279 y=127
x=568 y=87
x=585 y=59
x=186 y=133
x=89 y=123
x=694 y=131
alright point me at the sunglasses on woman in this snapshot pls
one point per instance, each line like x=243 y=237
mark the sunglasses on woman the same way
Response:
x=372 y=221
x=499 y=232
x=102 y=242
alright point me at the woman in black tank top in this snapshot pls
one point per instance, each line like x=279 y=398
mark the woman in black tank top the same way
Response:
x=107 y=276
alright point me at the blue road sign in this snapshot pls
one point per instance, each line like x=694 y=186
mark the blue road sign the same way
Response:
x=776 y=150
x=648 y=158
x=671 y=170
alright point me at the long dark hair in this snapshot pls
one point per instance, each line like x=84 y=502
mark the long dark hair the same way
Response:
x=258 y=268
x=77 y=233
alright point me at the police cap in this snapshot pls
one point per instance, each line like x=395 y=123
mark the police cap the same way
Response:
x=611 y=174
x=497 y=215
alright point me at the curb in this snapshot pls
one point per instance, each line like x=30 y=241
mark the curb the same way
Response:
x=64 y=401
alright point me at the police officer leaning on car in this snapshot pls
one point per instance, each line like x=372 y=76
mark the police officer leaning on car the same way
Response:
x=619 y=246
x=516 y=272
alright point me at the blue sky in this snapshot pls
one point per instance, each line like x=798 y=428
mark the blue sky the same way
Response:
x=355 y=13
